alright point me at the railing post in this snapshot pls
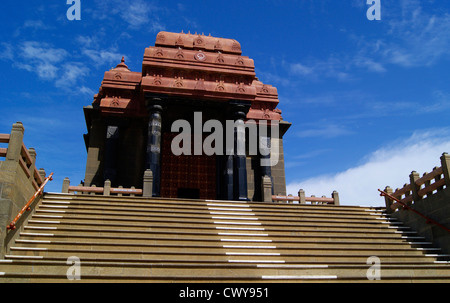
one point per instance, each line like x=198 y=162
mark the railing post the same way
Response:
x=107 y=188
x=93 y=193
x=335 y=196
x=42 y=173
x=301 y=196
x=413 y=177
x=120 y=194
x=15 y=142
x=147 y=190
x=65 y=186
x=445 y=162
x=266 y=188
x=32 y=153
x=387 y=200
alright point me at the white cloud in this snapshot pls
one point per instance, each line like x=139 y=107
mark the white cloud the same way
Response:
x=387 y=166
x=324 y=131
x=102 y=57
x=87 y=91
x=6 y=51
x=333 y=67
x=43 y=52
x=41 y=58
x=71 y=73
x=136 y=13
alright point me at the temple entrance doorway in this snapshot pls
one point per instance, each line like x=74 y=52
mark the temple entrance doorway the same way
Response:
x=187 y=176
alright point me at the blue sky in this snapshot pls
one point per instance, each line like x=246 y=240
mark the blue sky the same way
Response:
x=369 y=101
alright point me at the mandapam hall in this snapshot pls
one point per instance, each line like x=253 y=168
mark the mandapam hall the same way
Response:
x=130 y=121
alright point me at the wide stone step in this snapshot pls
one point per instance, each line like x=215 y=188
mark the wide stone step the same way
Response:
x=222 y=231
x=146 y=224
x=232 y=245
x=148 y=269
x=49 y=278
x=348 y=242
x=221 y=260
x=80 y=212
x=170 y=254
x=198 y=204
x=134 y=239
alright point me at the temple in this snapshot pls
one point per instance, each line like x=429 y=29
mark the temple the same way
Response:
x=129 y=122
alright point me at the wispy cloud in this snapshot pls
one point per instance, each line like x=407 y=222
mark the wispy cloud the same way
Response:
x=413 y=38
x=86 y=91
x=42 y=52
x=387 y=166
x=49 y=63
x=334 y=67
x=71 y=72
x=422 y=38
x=41 y=58
x=137 y=14
x=324 y=130
x=102 y=57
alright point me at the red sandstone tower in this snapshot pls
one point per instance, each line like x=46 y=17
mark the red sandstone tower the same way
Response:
x=129 y=121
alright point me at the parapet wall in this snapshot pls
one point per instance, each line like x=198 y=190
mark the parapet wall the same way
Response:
x=429 y=195
x=19 y=180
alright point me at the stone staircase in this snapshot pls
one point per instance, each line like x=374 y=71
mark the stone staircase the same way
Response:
x=132 y=239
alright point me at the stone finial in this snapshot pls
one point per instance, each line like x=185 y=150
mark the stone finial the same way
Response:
x=413 y=177
x=107 y=188
x=387 y=200
x=302 y=196
x=445 y=162
x=15 y=142
x=65 y=187
x=335 y=196
x=147 y=191
x=121 y=66
x=266 y=189
x=18 y=126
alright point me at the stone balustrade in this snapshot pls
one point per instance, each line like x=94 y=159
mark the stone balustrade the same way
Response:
x=428 y=196
x=19 y=180
x=420 y=187
x=302 y=199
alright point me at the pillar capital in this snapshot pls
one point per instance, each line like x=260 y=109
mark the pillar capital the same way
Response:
x=154 y=102
x=18 y=126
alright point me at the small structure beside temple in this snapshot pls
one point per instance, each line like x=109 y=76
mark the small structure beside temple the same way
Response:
x=130 y=121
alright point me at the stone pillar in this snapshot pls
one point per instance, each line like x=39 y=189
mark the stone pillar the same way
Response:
x=15 y=142
x=265 y=170
x=110 y=158
x=413 y=177
x=228 y=177
x=147 y=190
x=302 y=196
x=266 y=188
x=107 y=188
x=445 y=162
x=240 y=159
x=42 y=173
x=32 y=153
x=387 y=200
x=335 y=196
x=153 y=160
x=65 y=187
